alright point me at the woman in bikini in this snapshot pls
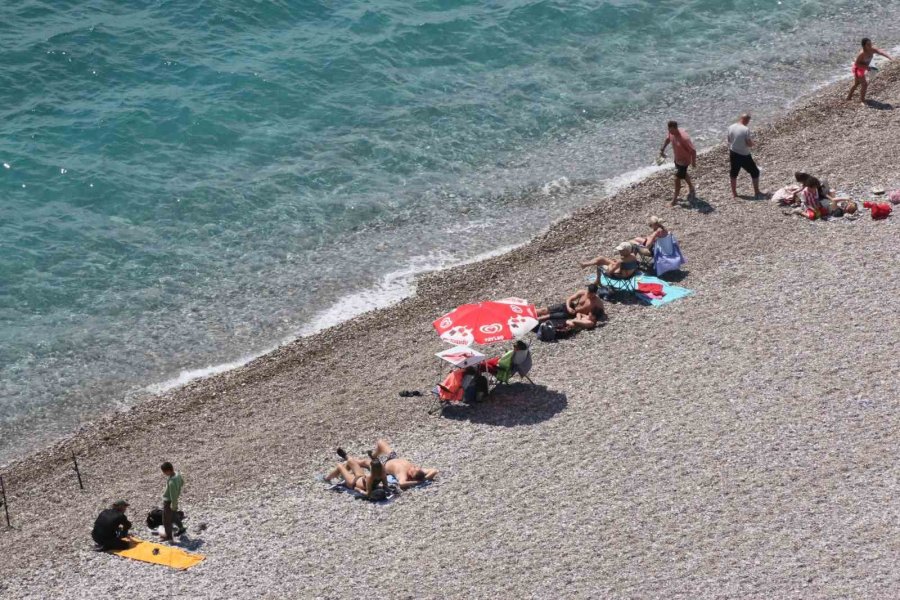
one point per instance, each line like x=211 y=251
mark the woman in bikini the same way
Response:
x=861 y=67
x=658 y=231
x=353 y=472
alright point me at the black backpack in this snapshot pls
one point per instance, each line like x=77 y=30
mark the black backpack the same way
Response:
x=154 y=518
x=546 y=332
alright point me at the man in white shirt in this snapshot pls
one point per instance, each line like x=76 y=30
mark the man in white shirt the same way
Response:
x=739 y=144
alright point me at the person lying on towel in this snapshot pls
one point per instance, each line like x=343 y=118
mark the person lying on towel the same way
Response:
x=584 y=302
x=111 y=526
x=359 y=474
x=621 y=268
x=404 y=471
x=382 y=461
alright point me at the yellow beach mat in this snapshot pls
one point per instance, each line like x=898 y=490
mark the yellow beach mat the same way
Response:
x=159 y=554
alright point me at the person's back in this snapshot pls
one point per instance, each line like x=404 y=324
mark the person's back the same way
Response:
x=738 y=135
x=108 y=526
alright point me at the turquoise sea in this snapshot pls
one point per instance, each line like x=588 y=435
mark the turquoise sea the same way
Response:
x=185 y=184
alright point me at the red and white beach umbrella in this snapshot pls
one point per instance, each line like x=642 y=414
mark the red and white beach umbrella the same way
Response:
x=487 y=322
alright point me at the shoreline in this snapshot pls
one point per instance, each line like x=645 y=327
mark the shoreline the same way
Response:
x=309 y=332
x=707 y=448
x=406 y=280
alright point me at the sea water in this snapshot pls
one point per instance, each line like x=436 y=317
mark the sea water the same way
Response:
x=186 y=184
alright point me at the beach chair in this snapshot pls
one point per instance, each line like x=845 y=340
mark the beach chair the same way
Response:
x=667 y=255
x=459 y=387
x=627 y=285
x=514 y=362
x=645 y=258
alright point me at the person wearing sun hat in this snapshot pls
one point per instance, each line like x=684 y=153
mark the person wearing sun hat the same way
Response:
x=646 y=243
x=111 y=527
x=621 y=268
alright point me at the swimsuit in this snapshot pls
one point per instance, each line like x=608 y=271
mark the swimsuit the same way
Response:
x=859 y=71
x=386 y=459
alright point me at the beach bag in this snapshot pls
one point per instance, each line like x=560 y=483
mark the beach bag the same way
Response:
x=546 y=332
x=154 y=518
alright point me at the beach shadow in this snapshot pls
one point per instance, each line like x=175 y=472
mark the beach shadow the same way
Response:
x=511 y=406
x=189 y=544
x=674 y=276
x=699 y=204
x=624 y=298
x=879 y=105
x=753 y=198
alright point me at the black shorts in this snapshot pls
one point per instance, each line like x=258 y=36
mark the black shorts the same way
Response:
x=680 y=171
x=558 y=311
x=740 y=161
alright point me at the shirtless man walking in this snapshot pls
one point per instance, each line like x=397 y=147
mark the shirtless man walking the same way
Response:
x=861 y=67
x=685 y=155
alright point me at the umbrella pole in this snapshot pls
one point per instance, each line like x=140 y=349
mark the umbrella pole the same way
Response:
x=5 y=507
x=77 y=472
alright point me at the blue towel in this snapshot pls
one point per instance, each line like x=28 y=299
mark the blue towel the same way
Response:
x=672 y=292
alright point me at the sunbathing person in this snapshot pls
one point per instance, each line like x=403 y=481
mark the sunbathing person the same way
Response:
x=353 y=472
x=583 y=302
x=621 y=268
x=405 y=472
x=658 y=231
x=578 y=322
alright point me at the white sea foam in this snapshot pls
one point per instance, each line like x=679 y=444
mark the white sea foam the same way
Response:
x=618 y=182
x=393 y=287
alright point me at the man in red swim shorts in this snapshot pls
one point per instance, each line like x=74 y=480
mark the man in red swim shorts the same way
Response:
x=861 y=67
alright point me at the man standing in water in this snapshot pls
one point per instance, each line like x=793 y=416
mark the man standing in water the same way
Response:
x=861 y=67
x=685 y=155
x=739 y=144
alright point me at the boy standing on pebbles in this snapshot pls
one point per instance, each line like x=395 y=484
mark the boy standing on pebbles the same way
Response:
x=174 y=484
x=861 y=67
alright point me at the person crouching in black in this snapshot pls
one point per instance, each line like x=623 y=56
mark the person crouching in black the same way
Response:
x=111 y=526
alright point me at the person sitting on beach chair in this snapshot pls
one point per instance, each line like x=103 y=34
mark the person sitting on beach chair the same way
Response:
x=622 y=268
x=462 y=385
x=404 y=471
x=111 y=527
x=515 y=362
x=353 y=472
x=645 y=243
x=584 y=302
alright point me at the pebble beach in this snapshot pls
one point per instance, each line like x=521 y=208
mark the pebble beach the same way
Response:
x=740 y=443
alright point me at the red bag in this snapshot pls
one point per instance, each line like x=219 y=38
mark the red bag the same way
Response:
x=880 y=210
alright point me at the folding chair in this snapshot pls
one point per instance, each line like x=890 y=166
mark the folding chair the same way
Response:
x=514 y=362
x=627 y=285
